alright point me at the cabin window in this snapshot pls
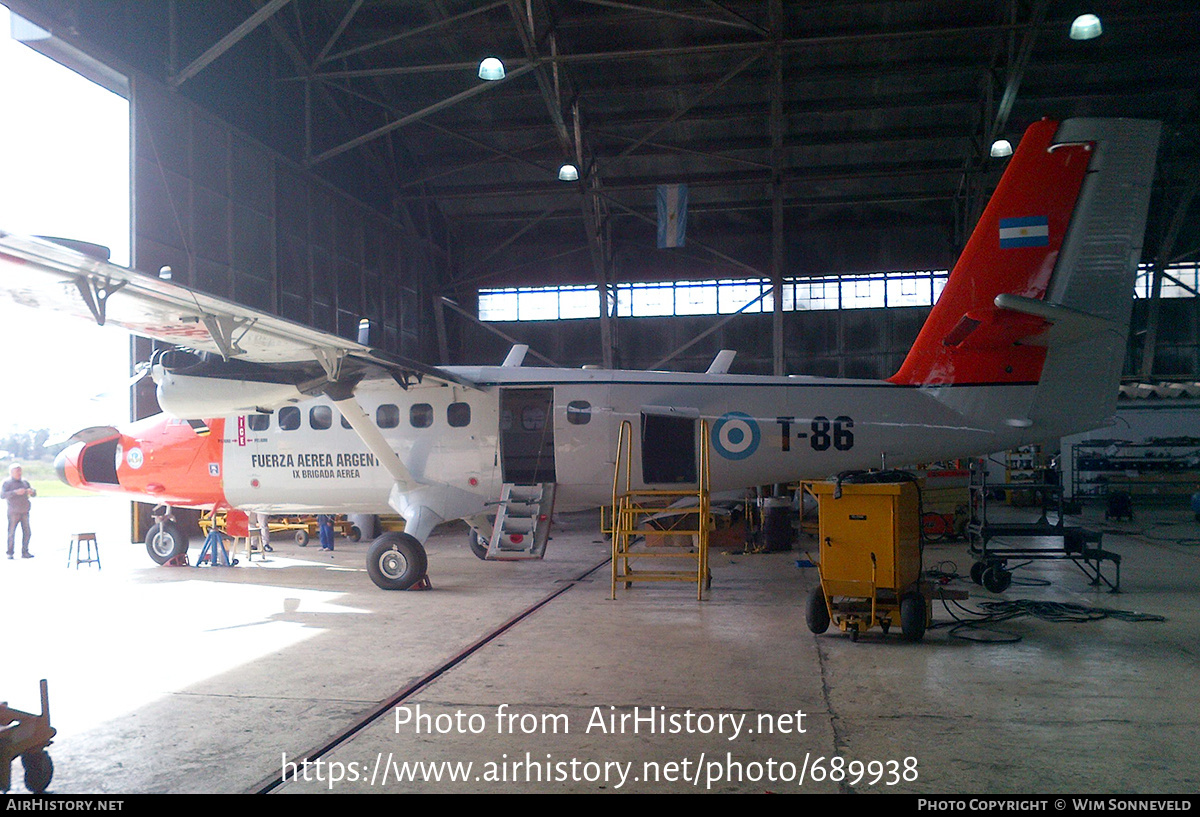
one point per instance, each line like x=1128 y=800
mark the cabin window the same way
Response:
x=289 y=418
x=458 y=414
x=258 y=422
x=320 y=417
x=579 y=412
x=420 y=415
x=387 y=416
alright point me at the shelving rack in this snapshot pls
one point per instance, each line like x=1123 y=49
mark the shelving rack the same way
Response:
x=1158 y=468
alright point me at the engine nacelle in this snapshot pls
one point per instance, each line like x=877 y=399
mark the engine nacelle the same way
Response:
x=192 y=397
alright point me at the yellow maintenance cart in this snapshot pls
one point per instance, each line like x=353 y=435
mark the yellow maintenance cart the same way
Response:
x=870 y=557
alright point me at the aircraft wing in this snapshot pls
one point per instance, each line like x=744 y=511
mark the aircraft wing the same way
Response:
x=46 y=275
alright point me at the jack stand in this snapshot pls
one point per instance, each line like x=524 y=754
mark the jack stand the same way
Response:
x=214 y=551
x=424 y=584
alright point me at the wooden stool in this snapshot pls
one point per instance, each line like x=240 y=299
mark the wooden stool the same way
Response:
x=78 y=540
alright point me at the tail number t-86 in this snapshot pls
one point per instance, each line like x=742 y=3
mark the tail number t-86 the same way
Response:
x=823 y=434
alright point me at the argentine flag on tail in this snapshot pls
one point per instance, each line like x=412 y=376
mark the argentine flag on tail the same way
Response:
x=672 y=215
x=1026 y=231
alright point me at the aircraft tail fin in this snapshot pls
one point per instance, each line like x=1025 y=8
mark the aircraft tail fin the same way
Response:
x=1043 y=290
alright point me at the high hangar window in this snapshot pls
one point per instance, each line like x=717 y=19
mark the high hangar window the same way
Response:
x=715 y=297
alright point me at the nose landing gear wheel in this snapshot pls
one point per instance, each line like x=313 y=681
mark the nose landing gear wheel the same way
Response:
x=165 y=541
x=477 y=545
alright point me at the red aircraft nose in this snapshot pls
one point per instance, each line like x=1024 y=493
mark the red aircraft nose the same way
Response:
x=67 y=465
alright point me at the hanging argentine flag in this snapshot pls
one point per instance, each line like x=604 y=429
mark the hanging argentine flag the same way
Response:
x=1027 y=231
x=672 y=215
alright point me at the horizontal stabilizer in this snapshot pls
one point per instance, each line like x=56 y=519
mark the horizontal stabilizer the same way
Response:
x=1066 y=324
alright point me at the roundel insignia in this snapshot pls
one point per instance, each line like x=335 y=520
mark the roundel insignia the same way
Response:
x=735 y=435
x=134 y=458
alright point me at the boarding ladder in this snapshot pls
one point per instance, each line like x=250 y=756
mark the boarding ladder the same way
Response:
x=643 y=520
x=522 y=525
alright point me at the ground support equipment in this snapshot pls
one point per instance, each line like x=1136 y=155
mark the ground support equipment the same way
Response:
x=25 y=735
x=870 y=559
x=644 y=522
x=1081 y=546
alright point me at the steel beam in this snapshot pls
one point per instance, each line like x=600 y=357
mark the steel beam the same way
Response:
x=776 y=123
x=337 y=32
x=397 y=37
x=1165 y=248
x=703 y=95
x=495 y=331
x=678 y=15
x=417 y=116
x=228 y=41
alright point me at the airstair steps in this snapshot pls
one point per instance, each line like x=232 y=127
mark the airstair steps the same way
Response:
x=522 y=525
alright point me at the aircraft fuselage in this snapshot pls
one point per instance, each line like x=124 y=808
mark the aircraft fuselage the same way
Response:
x=552 y=425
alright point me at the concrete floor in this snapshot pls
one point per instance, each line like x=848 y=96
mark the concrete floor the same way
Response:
x=207 y=679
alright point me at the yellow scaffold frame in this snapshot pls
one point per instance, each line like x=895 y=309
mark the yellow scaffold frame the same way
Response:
x=633 y=508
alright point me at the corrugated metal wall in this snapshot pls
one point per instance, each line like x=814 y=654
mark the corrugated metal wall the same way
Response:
x=234 y=219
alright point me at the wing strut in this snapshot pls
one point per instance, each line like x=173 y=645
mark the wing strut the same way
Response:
x=369 y=433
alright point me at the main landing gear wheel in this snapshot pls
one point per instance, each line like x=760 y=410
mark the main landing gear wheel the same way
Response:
x=477 y=545
x=39 y=770
x=816 y=613
x=165 y=541
x=396 y=561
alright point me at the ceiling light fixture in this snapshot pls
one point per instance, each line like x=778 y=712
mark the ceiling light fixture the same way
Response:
x=568 y=173
x=491 y=69
x=1001 y=148
x=1086 y=27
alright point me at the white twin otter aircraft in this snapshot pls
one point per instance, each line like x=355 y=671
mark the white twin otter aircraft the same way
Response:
x=1025 y=344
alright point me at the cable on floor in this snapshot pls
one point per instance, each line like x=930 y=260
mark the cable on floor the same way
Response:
x=974 y=625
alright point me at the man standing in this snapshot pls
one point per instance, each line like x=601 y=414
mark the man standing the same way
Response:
x=16 y=492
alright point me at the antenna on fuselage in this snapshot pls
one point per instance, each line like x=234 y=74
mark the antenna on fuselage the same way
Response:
x=722 y=362
x=516 y=355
